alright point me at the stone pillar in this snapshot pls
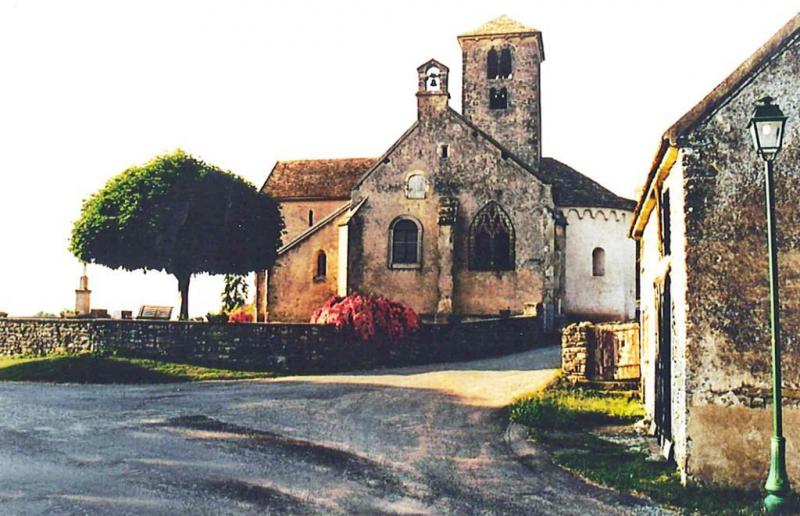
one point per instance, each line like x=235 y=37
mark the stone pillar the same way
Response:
x=83 y=304
x=342 y=266
x=448 y=209
x=261 y=296
x=575 y=351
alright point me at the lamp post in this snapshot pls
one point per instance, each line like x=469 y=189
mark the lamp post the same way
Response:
x=767 y=126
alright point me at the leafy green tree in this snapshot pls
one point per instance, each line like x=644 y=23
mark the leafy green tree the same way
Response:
x=180 y=215
x=234 y=294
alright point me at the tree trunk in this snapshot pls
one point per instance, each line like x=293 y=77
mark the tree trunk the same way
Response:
x=183 y=288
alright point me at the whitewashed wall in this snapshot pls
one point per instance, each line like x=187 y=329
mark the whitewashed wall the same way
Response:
x=653 y=268
x=611 y=296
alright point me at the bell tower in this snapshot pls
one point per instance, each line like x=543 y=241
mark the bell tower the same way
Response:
x=501 y=88
x=432 y=94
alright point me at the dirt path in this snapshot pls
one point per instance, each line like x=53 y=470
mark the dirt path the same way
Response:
x=426 y=440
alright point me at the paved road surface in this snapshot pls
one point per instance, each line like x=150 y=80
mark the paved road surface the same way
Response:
x=425 y=440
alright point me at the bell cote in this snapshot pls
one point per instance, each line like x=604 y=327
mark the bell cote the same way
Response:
x=432 y=93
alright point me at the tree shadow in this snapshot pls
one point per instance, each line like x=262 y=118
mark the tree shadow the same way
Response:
x=84 y=369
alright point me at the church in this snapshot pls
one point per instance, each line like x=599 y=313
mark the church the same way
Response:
x=461 y=217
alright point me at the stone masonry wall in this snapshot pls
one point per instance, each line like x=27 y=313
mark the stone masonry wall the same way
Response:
x=294 y=290
x=518 y=126
x=474 y=174
x=605 y=351
x=291 y=348
x=574 y=352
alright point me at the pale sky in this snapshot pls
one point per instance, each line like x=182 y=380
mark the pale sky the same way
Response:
x=90 y=88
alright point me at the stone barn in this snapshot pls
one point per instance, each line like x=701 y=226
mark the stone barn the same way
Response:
x=703 y=261
x=461 y=216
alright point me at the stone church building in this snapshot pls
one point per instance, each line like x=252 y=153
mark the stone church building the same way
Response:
x=461 y=216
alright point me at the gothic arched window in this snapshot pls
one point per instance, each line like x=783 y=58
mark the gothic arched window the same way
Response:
x=492 y=64
x=322 y=266
x=491 y=240
x=598 y=262
x=405 y=243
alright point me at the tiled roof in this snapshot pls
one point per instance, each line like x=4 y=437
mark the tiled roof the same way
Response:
x=498 y=26
x=315 y=178
x=571 y=188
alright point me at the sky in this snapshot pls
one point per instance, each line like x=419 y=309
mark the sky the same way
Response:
x=89 y=88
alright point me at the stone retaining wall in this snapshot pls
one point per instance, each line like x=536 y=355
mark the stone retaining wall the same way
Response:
x=600 y=351
x=271 y=346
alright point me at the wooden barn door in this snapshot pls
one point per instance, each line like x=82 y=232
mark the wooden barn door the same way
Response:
x=663 y=401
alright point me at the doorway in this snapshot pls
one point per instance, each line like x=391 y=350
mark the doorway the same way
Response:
x=663 y=377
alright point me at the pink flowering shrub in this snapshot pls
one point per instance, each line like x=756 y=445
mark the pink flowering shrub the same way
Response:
x=368 y=317
x=242 y=314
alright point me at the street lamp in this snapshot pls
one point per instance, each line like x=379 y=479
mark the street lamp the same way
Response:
x=767 y=126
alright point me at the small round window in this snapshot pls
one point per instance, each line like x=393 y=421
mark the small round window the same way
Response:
x=415 y=186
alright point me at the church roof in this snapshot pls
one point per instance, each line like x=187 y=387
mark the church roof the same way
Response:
x=315 y=178
x=571 y=188
x=335 y=178
x=499 y=26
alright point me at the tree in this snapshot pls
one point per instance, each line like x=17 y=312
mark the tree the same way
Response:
x=180 y=215
x=234 y=293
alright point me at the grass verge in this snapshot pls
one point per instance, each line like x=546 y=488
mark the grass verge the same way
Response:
x=565 y=420
x=90 y=368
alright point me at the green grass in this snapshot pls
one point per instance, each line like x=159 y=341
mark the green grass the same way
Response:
x=563 y=407
x=561 y=418
x=90 y=368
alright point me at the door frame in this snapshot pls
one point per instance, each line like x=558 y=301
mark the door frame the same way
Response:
x=663 y=364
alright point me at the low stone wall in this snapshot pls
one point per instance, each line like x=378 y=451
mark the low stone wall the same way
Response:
x=600 y=351
x=270 y=346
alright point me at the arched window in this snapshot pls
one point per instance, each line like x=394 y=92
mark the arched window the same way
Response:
x=322 y=266
x=492 y=64
x=498 y=65
x=598 y=262
x=415 y=186
x=498 y=98
x=504 y=68
x=491 y=240
x=310 y=218
x=433 y=80
x=405 y=245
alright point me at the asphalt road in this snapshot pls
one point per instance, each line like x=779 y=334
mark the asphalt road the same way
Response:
x=426 y=440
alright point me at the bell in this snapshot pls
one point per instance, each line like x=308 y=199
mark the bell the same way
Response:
x=433 y=82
